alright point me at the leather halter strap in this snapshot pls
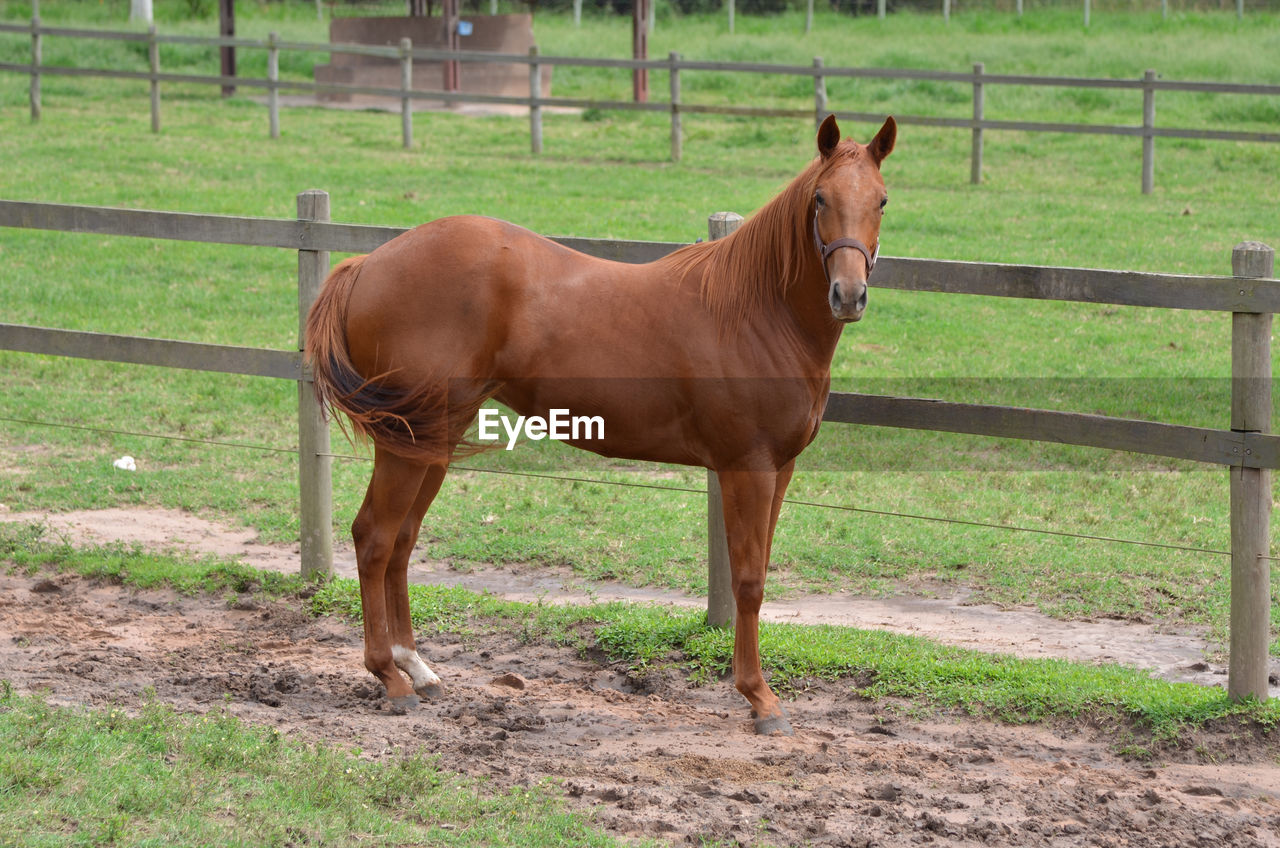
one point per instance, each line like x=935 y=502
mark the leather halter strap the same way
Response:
x=825 y=250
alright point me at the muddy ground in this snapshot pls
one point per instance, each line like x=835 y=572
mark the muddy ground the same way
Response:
x=651 y=758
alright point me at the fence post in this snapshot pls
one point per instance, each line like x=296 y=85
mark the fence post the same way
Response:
x=1148 y=138
x=37 y=51
x=732 y=10
x=1086 y=14
x=880 y=4
x=720 y=603
x=535 y=96
x=153 y=59
x=406 y=92
x=819 y=93
x=808 y=17
x=677 y=129
x=273 y=83
x=1250 y=487
x=315 y=466
x=975 y=164
x=946 y=11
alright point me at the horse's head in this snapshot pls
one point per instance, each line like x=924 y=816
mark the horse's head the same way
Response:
x=848 y=202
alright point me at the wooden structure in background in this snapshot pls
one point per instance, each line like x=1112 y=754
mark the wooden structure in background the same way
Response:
x=497 y=34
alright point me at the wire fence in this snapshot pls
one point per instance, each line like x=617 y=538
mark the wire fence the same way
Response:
x=561 y=478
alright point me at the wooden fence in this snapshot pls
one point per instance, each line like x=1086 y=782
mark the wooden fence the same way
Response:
x=1247 y=449
x=977 y=79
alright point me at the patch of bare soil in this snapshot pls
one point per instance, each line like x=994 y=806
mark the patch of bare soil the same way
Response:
x=653 y=757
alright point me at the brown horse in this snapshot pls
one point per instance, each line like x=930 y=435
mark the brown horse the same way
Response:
x=717 y=355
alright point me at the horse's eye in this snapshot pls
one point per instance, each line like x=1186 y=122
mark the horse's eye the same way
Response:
x=819 y=199
x=883 y=202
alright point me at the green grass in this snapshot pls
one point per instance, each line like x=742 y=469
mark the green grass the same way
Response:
x=1047 y=200
x=109 y=777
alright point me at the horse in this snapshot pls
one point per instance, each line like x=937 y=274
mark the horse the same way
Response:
x=716 y=355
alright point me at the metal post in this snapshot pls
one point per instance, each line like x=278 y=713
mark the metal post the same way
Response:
x=1086 y=13
x=37 y=53
x=880 y=10
x=732 y=11
x=720 y=604
x=677 y=130
x=535 y=97
x=1250 y=487
x=819 y=93
x=1148 y=137
x=808 y=17
x=315 y=467
x=946 y=11
x=153 y=59
x=975 y=164
x=406 y=92
x=1019 y=8
x=273 y=83
x=1240 y=8
x=577 y=13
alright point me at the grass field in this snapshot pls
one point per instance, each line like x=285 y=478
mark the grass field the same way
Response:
x=1047 y=199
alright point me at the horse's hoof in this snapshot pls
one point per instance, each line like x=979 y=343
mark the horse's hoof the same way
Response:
x=401 y=704
x=430 y=691
x=774 y=725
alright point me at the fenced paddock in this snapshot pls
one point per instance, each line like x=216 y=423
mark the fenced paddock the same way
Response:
x=1247 y=449
x=976 y=80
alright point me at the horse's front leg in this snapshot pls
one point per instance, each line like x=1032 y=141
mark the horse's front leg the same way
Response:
x=751 y=502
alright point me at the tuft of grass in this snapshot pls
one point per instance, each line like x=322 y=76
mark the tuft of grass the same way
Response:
x=31 y=547
x=108 y=777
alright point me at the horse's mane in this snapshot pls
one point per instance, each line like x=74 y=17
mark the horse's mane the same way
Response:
x=752 y=268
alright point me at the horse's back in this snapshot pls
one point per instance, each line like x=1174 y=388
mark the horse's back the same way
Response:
x=479 y=295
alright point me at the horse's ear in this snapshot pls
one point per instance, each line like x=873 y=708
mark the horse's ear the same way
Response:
x=882 y=145
x=828 y=136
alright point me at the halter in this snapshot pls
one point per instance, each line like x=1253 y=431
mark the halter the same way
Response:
x=825 y=250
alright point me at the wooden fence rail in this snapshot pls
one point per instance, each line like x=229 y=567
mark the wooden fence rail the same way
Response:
x=1247 y=449
x=977 y=80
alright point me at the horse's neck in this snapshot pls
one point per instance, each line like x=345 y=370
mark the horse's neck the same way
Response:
x=811 y=316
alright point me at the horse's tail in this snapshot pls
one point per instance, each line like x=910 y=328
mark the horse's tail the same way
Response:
x=420 y=423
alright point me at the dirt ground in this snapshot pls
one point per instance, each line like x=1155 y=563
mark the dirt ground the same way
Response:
x=653 y=758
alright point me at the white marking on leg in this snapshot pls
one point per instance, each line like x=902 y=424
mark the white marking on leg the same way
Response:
x=408 y=661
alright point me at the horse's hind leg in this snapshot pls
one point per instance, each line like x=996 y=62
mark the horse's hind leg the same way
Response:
x=404 y=650
x=392 y=493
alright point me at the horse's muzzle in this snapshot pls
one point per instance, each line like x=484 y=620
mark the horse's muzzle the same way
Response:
x=848 y=302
